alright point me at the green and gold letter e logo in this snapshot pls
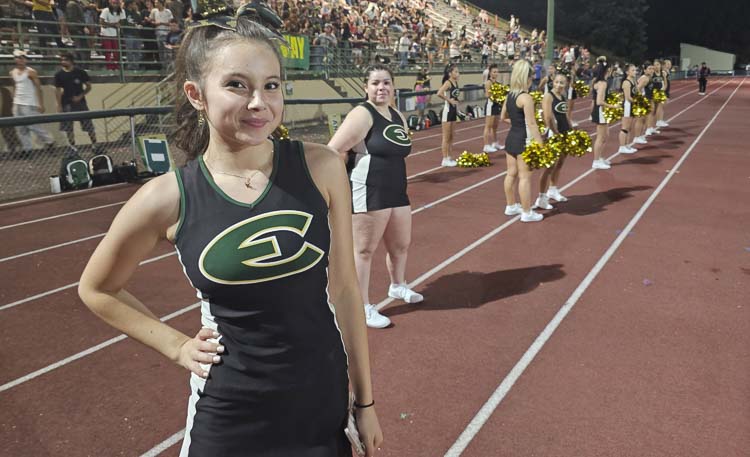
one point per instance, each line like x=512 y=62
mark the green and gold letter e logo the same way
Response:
x=244 y=253
x=396 y=134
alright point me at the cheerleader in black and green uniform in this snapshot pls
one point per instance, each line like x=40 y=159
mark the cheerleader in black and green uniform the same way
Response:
x=572 y=93
x=555 y=107
x=644 y=88
x=666 y=68
x=602 y=72
x=491 y=113
x=657 y=83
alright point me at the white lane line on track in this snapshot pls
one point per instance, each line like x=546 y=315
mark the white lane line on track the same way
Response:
x=166 y=444
x=502 y=390
x=63 y=195
x=4 y=227
x=88 y=351
x=37 y=251
x=379 y=306
x=494 y=232
x=75 y=284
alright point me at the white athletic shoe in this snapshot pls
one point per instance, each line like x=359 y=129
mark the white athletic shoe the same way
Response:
x=555 y=194
x=701 y=93
x=650 y=131
x=374 y=319
x=632 y=149
x=498 y=146
x=448 y=162
x=600 y=165
x=625 y=150
x=640 y=140
x=662 y=124
x=489 y=148
x=531 y=216
x=575 y=124
x=401 y=292
x=513 y=210
x=542 y=202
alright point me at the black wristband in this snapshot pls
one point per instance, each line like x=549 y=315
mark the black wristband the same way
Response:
x=358 y=406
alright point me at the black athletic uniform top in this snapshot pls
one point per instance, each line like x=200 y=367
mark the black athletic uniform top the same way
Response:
x=376 y=166
x=260 y=270
x=658 y=81
x=648 y=91
x=668 y=82
x=560 y=110
x=597 y=112
x=517 y=138
x=450 y=112
x=633 y=87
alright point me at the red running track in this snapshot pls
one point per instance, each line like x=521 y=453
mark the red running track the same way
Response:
x=617 y=326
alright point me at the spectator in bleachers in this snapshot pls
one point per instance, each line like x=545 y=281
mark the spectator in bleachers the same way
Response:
x=27 y=101
x=131 y=34
x=326 y=39
x=19 y=9
x=174 y=38
x=75 y=14
x=160 y=17
x=404 y=43
x=110 y=20
x=148 y=36
x=72 y=84
x=46 y=24
x=178 y=10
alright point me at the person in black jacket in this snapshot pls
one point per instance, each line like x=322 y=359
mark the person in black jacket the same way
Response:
x=703 y=73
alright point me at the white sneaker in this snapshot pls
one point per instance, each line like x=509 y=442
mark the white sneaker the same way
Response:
x=649 y=131
x=402 y=292
x=600 y=165
x=374 y=319
x=632 y=149
x=448 y=162
x=662 y=124
x=513 y=210
x=625 y=150
x=542 y=202
x=555 y=194
x=640 y=140
x=489 y=148
x=575 y=124
x=531 y=216
x=498 y=146
x=606 y=161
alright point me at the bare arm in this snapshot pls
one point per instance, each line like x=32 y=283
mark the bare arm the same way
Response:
x=528 y=113
x=504 y=113
x=330 y=177
x=487 y=85
x=626 y=91
x=145 y=219
x=352 y=131
x=642 y=82
x=58 y=94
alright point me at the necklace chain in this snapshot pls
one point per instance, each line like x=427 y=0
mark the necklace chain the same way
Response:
x=248 y=179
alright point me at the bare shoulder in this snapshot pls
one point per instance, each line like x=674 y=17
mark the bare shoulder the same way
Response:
x=158 y=199
x=319 y=155
x=326 y=168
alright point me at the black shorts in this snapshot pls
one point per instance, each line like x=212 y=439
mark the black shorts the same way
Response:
x=74 y=107
x=450 y=115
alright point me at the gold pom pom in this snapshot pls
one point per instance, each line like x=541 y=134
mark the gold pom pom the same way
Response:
x=539 y=116
x=641 y=106
x=613 y=115
x=581 y=88
x=498 y=93
x=469 y=160
x=539 y=156
x=281 y=133
x=577 y=143
x=537 y=96
x=660 y=96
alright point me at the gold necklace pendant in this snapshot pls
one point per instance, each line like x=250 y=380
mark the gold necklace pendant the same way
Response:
x=248 y=183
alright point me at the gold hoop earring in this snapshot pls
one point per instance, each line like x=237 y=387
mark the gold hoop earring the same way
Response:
x=201 y=119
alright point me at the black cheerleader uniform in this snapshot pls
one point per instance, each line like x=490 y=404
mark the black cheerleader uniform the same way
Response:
x=260 y=271
x=548 y=85
x=376 y=166
x=648 y=91
x=560 y=111
x=519 y=135
x=627 y=106
x=658 y=81
x=572 y=93
x=450 y=112
x=597 y=113
x=492 y=108
x=667 y=83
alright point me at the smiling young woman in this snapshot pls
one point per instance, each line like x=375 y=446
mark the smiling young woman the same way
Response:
x=263 y=232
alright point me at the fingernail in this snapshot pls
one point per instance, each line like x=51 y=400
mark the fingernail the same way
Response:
x=217 y=359
x=220 y=349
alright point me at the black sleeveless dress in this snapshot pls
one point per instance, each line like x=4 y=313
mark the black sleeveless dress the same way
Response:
x=560 y=110
x=519 y=135
x=597 y=112
x=260 y=271
x=377 y=166
x=450 y=112
x=626 y=105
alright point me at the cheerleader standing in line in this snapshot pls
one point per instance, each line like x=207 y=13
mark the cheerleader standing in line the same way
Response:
x=518 y=109
x=572 y=93
x=629 y=90
x=643 y=83
x=555 y=107
x=449 y=92
x=491 y=112
x=665 y=70
x=547 y=82
x=601 y=73
x=657 y=83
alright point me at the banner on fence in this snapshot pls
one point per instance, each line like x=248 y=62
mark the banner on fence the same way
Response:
x=297 y=54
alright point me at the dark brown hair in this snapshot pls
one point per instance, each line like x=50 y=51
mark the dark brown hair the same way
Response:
x=376 y=67
x=193 y=62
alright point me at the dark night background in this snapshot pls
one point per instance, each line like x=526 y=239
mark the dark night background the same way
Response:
x=640 y=29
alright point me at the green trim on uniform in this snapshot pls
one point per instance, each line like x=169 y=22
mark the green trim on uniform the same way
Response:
x=181 y=219
x=213 y=184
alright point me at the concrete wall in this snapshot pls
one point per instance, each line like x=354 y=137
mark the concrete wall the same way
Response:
x=691 y=55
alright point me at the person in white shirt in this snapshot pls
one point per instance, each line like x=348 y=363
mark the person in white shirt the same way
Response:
x=160 y=17
x=110 y=20
x=403 y=50
x=27 y=101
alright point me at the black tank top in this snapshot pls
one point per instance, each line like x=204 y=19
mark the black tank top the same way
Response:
x=549 y=84
x=379 y=158
x=593 y=92
x=633 y=87
x=515 y=142
x=658 y=81
x=453 y=94
x=260 y=270
x=560 y=110
x=648 y=91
